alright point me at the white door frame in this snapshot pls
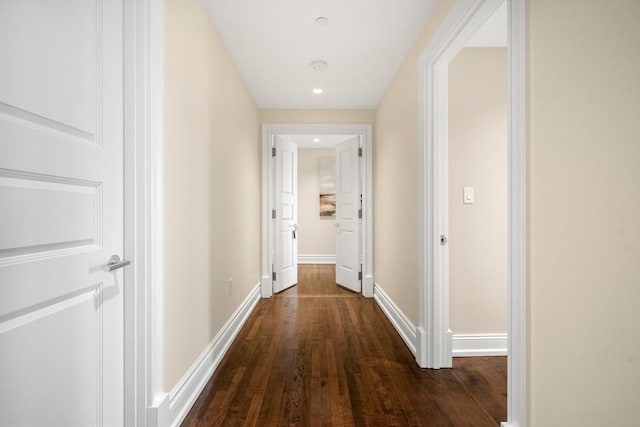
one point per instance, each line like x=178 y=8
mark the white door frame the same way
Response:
x=146 y=402
x=269 y=131
x=433 y=334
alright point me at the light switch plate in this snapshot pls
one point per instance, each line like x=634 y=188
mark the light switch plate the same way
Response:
x=467 y=195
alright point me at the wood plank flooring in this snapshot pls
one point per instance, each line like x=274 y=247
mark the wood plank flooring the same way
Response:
x=319 y=355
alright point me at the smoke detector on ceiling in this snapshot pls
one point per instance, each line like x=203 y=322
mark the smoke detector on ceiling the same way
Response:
x=318 y=64
x=322 y=20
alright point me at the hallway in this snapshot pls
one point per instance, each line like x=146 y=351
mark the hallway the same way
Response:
x=319 y=355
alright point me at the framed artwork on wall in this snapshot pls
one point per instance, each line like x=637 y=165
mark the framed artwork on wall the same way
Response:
x=327 y=175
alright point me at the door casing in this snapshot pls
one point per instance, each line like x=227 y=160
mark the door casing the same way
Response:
x=269 y=132
x=145 y=401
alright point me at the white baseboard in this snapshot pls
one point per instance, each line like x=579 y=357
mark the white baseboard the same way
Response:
x=400 y=322
x=468 y=345
x=316 y=259
x=185 y=393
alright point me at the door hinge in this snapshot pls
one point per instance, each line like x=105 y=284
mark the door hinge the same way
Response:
x=273 y=213
x=359 y=151
x=360 y=213
x=273 y=151
x=443 y=240
x=273 y=276
x=360 y=274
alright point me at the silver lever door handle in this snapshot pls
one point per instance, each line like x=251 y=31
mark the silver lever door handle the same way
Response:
x=115 y=263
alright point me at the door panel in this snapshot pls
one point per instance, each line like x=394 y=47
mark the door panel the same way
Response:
x=44 y=202
x=286 y=182
x=67 y=364
x=347 y=222
x=61 y=192
x=50 y=63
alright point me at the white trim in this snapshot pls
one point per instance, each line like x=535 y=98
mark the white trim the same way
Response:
x=517 y=294
x=463 y=20
x=186 y=392
x=155 y=319
x=158 y=411
x=269 y=131
x=368 y=285
x=145 y=399
x=470 y=345
x=266 y=287
x=367 y=217
x=400 y=322
x=266 y=258
x=316 y=259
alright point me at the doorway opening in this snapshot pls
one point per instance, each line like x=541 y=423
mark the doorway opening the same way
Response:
x=476 y=214
x=434 y=338
x=346 y=211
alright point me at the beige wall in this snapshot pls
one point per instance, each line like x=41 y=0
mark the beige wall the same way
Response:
x=478 y=159
x=395 y=182
x=317 y=235
x=212 y=178
x=584 y=136
x=317 y=116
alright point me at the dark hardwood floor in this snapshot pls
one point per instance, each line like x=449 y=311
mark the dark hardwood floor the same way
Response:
x=319 y=355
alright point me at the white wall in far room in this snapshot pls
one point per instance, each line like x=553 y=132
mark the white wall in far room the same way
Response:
x=316 y=236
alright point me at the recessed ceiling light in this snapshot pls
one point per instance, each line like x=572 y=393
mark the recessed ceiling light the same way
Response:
x=322 y=20
x=316 y=139
x=318 y=64
x=317 y=91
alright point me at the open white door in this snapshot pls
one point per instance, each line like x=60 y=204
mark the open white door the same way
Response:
x=347 y=208
x=286 y=217
x=61 y=214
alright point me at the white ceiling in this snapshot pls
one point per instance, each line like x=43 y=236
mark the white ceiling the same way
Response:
x=272 y=42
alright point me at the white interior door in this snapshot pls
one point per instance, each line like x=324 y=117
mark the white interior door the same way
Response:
x=347 y=222
x=286 y=192
x=61 y=215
